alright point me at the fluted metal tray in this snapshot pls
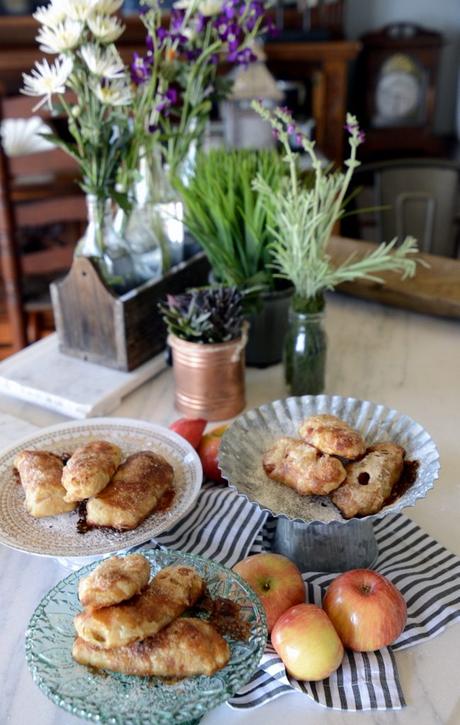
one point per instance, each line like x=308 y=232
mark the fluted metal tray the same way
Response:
x=249 y=436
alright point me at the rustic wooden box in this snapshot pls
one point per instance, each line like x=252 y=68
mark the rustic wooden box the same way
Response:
x=94 y=324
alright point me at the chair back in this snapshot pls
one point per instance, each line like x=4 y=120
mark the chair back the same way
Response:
x=421 y=200
x=37 y=188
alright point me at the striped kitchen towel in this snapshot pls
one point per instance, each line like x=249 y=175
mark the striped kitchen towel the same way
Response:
x=221 y=526
x=427 y=575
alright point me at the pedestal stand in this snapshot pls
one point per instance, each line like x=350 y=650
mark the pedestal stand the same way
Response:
x=327 y=547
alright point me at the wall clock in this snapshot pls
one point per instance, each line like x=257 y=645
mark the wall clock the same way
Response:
x=398 y=69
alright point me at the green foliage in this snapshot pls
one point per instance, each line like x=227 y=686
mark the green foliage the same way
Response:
x=204 y=315
x=302 y=219
x=229 y=218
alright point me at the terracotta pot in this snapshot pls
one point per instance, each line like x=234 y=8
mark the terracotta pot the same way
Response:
x=209 y=378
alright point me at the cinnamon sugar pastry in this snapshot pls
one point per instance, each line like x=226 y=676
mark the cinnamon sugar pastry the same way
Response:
x=332 y=435
x=302 y=467
x=133 y=493
x=114 y=581
x=369 y=481
x=90 y=469
x=172 y=591
x=40 y=473
x=185 y=648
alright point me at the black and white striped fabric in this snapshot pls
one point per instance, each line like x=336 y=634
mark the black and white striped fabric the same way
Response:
x=226 y=527
x=428 y=577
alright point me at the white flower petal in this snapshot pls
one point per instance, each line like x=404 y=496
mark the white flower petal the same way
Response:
x=52 y=14
x=105 y=63
x=79 y=9
x=106 y=7
x=117 y=93
x=105 y=28
x=63 y=37
x=46 y=80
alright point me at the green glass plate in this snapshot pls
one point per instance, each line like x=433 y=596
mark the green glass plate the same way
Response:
x=117 y=699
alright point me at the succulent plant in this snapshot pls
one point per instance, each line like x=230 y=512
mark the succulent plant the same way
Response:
x=204 y=315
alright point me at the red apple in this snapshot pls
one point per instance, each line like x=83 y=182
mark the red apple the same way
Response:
x=366 y=609
x=208 y=450
x=276 y=580
x=305 y=639
x=190 y=428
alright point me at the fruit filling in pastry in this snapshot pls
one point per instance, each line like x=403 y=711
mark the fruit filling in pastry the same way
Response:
x=369 y=482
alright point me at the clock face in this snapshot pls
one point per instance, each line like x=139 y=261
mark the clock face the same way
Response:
x=397 y=96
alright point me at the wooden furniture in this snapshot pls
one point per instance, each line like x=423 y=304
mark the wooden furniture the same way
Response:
x=435 y=289
x=398 y=68
x=36 y=190
x=123 y=331
x=325 y=62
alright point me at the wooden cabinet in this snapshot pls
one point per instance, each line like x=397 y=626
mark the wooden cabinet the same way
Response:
x=326 y=63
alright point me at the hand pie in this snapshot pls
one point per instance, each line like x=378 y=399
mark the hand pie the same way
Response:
x=332 y=435
x=90 y=469
x=169 y=594
x=114 y=581
x=302 y=467
x=369 y=481
x=133 y=492
x=40 y=473
x=185 y=648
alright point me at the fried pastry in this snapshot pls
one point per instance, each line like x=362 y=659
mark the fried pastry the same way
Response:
x=90 y=469
x=172 y=591
x=114 y=581
x=302 y=467
x=185 y=648
x=40 y=473
x=133 y=493
x=369 y=481
x=332 y=435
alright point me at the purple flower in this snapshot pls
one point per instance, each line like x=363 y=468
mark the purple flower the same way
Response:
x=140 y=69
x=291 y=128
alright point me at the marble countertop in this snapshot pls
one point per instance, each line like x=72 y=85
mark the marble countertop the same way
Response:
x=407 y=361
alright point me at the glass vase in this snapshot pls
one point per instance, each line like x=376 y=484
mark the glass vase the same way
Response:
x=150 y=256
x=305 y=346
x=107 y=247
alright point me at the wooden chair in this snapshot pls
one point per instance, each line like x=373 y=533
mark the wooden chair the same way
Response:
x=417 y=197
x=37 y=190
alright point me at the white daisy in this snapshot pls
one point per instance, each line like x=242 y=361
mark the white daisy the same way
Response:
x=116 y=93
x=205 y=7
x=106 y=7
x=45 y=79
x=105 y=28
x=63 y=37
x=79 y=9
x=52 y=14
x=105 y=63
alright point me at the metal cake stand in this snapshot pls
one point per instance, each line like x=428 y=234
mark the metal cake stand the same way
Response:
x=310 y=530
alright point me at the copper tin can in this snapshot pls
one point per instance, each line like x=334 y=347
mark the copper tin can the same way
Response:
x=209 y=378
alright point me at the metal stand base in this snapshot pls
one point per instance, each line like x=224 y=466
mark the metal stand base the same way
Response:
x=327 y=547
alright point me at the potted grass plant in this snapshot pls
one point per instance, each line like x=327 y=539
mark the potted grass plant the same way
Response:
x=301 y=225
x=207 y=336
x=230 y=220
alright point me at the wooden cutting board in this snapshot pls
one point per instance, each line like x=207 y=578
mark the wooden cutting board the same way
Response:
x=434 y=290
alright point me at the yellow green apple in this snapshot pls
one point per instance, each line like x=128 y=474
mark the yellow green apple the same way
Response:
x=305 y=639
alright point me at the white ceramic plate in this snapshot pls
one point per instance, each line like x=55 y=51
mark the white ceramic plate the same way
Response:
x=246 y=440
x=57 y=535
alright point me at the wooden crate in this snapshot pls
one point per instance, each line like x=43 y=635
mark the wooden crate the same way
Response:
x=94 y=324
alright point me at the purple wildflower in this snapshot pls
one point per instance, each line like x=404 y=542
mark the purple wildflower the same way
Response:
x=140 y=69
